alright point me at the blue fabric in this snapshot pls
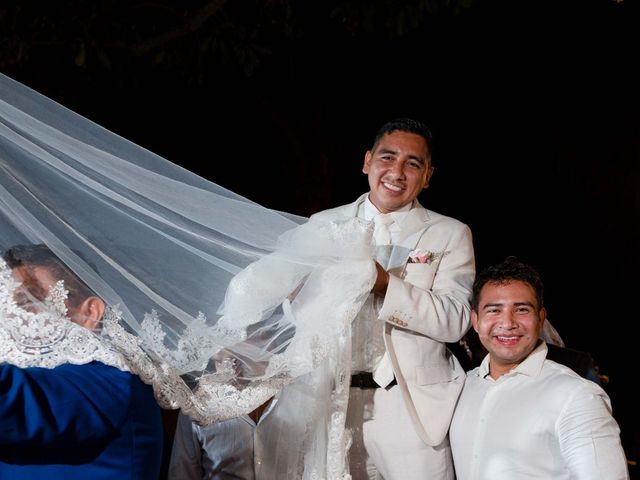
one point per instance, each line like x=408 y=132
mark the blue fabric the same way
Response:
x=78 y=422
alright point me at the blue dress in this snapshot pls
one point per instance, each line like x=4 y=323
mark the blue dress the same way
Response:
x=77 y=422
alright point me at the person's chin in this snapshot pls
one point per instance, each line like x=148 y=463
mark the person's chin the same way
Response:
x=393 y=202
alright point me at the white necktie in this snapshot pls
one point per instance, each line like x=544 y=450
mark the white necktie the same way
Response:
x=381 y=232
x=383 y=373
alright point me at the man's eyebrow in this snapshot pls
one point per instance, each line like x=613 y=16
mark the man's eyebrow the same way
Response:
x=417 y=158
x=487 y=305
x=384 y=151
x=501 y=304
x=387 y=151
x=520 y=304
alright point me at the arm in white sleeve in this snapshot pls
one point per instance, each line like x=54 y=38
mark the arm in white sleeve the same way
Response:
x=590 y=438
x=442 y=311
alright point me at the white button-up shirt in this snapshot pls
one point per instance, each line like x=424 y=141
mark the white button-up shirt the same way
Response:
x=539 y=421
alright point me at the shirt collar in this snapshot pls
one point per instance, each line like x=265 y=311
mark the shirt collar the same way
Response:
x=531 y=366
x=370 y=211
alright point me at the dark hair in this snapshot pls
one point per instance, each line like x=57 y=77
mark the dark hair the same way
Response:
x=511 y=269
x=404 y=125
x=30 y=256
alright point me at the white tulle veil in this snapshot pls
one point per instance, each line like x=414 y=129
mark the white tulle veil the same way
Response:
x=217 y=302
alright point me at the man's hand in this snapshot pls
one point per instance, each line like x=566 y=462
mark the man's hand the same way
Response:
x=257 y=413
x=382 y=280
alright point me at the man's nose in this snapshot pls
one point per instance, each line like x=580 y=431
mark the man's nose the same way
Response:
x=397 y=169
x=508 y=321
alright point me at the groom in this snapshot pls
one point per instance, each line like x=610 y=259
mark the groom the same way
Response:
x=405 y=382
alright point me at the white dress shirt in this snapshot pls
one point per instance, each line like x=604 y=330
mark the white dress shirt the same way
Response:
x=539 y=421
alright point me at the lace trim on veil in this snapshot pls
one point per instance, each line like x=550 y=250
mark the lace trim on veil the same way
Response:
x=48 y=339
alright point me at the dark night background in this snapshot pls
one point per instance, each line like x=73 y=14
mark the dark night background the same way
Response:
x=533 y=106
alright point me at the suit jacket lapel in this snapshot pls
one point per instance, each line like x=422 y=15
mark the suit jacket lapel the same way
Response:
x=413 y=226
x=351 y=210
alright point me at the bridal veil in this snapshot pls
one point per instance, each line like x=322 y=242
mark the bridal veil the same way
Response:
x=217 y=302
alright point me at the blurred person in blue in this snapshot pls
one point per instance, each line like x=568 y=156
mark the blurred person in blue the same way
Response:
x=73 y=421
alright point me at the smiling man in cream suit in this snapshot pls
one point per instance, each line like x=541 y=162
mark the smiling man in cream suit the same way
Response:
x=405 y=382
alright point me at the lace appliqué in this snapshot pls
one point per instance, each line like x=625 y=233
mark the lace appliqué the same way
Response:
x=327 y=297
x=45 y=337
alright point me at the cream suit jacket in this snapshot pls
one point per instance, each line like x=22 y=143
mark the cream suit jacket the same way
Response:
x=426 y=305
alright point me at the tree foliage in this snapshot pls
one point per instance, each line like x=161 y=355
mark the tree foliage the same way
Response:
x=192 y=35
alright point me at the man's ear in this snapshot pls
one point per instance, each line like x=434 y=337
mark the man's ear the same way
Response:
x=429 y=174
x=542 y=315
x=474 y=320
x=89 y=313
x=367 y=162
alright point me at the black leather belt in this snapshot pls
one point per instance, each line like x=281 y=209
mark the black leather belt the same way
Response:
x=365 y=380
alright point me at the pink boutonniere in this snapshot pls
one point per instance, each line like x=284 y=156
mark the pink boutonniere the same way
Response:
x=423 y=256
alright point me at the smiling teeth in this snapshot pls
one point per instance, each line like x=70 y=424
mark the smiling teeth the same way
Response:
x=506 y=338
x=392 y=187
